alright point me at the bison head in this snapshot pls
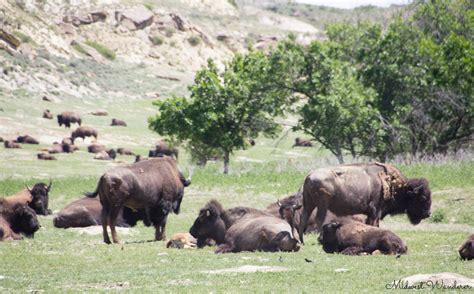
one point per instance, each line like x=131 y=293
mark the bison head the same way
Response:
x=209 y=224
x=40 y=197
x=25 y=220
x=467 y=249
x=418 y=196
x=328 y=237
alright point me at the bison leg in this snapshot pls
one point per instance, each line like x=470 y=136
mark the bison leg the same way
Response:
x=113 y=214
x=104 y=215
x=373 y=216
x=354 y=250
x=224 y=248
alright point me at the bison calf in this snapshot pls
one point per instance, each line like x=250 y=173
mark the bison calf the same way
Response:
x=181 y=241
x=467 y=249
x=353 y=238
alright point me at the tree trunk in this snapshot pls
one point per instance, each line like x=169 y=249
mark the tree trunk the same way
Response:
x=226 y=162
x=338 y=153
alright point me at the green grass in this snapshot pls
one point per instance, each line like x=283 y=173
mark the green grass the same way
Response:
x=79 y=48
x=103 y=50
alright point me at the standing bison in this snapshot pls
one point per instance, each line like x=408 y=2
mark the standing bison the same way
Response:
x=156 y=184
x=374 y=189
x=67 y=118
x=83 y=132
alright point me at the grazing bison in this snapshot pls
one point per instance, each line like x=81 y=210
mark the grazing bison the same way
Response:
x=242 y=229
x=95 y=148
x=16 y=219
x=106 y=155
x=45 y=156
x=302 y=143
x=47 y=114
x=86 y=212
x=353 y=238
x=162 y=149
x=67 y=118
x=156 y=184
x=125 y=151
x=11 y=145
x=83 y=132
x=213 y=221
x=466 y=251
x=27 y=139
x=181 y=241
x=289 y=209
x=374 y=189
x=118 y=122
x=36 y=197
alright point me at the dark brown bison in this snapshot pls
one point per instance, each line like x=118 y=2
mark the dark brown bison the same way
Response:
x=156 y=184
x=118 y=122
x=16 y=219
x=45 y=156
x=68 y=145
x=162 y=149
x=213 y=221
x=1 y=139
x=466 y=251
x=83 y=132
x=374 y=189
x=125 y=151
x=106 y=155
x=11 y=145
x=353 y=238
x=47 y=114
x=86 y=212
x=95 y=148
x=289 y=209
x=36 y=197
x=27 y=139
x=67 y=118
x=242 y=229
x=302 y=143
x=59 y=148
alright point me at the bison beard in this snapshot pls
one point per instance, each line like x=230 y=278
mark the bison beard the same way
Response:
x=155 y=184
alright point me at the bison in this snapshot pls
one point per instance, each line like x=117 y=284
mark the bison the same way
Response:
x=353 y=238
x=162 y=149
x=11 y=145
x=16 y=219
x=466 y=251
x=83 y=132
x=47 y=114
x=242 y=229
x=45 y=156
x=302 y=143
x=27 y=139
x=67 y=141
x=67 y=118
x=59 y=148
x=181 y=241
x=125 y=151
x=95 y=148
x=36 y=197
x=106 y=155
x=86 y=212
x=374 y=189
x=118 y=122
x=156 y=184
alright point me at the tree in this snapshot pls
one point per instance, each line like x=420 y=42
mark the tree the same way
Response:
x=224 y=109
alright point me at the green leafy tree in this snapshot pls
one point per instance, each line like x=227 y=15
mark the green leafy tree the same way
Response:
x=224 y=109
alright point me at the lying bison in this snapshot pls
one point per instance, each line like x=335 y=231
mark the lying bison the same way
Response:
x=16 y=219
x=156 y=184
x=181 y=241
x=11 y=145
x=27 y=139
x=37 y=198
x=47 y=114
x=302 y=143
x=242 y=229
x=467 y=249
x=86 y=212
x=374 y=189
x=118 y=122
x=95 y=148
x=45 y=156
x=67 y=118
x=83 y=132
x=353 y=238
x=125 y=151
x=106 y=155
x=59 y=148
x=162 y=149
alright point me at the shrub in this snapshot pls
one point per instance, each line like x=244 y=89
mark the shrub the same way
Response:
x=79 y=48
x=104 y=51
x=194 y=40
x=169 y=31
x=438 y=216
x=156 y=40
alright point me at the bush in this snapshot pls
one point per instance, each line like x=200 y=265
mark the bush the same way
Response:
x=169 y=32
x=194 y=40
x=438 y=216
x=156 y=40
x=104 y=51
x=79 y=48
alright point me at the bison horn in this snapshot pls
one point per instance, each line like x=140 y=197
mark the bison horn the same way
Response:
x=50 y=184
x=297 y=206
x=416 y=189
x=279 y=203
x=28 y=188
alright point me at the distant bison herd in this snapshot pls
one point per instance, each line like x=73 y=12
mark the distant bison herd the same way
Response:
x=332 y=202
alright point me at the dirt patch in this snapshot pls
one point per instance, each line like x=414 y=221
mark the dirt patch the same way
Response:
x=248 y=269
x=97 y=230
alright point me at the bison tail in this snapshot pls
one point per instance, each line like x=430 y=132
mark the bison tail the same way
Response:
x=96 y=192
